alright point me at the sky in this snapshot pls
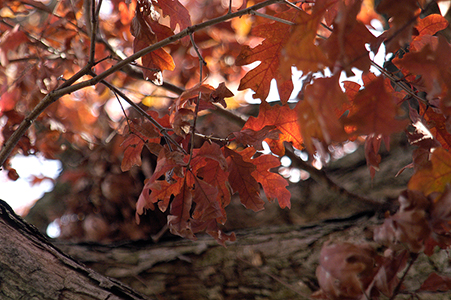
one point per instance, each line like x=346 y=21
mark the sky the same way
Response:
x=20 y=194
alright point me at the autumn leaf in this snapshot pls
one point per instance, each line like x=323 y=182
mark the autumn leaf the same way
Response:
x=211 y=227
x=242 y=181
x=346 y=46
x=346 y=270
x=206 y=198
x=10 y=41
x=435 y=178
x=179 y=218
x=146 y=29
x=403 y=18
x=317 y=113
x=436 y=283
x=140 y=133
x=300 y=49
x=177 y=13
x=286 y=121
x=427 y=27
x=273 y=184
x=268 y=53
x=437 y=124
x=254 y=138
x=375 y=111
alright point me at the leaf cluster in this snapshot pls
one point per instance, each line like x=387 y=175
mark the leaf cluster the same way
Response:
x=64 y=63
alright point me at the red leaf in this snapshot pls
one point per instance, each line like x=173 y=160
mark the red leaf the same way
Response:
x=211 y=227
x=436 y=283
x=206 y=198
x=375 y=111
x=273 y=184
x=436 y=177
x=286 y=121
x=147 y=31
x=317 y=113
x=346 y=270
x=177 y=13
x=401 y=13
x=427 y=27
x=242 y=181
x=346 y=45
x=254 y=138
x=268 y=53
x=300 y=48
x=179 y=219
x=10 y=41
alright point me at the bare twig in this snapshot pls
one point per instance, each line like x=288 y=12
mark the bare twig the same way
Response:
x=256 y=13
x=68 y=86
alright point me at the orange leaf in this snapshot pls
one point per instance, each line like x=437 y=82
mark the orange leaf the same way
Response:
x=286 y=121
x=427 y=27
x=146 y=30
x=268 y=53
x=318 y=112
x=347 y=44
x=206 y=196
x=254 y=138
x=242 y=181
x=437 y=124
x=300 y=49
x=178 y=220
x=176 y=11
x=436 y=177
x=375 y=111
x=273 y=184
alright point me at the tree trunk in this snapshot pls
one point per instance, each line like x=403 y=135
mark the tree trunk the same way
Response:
x=265 y=263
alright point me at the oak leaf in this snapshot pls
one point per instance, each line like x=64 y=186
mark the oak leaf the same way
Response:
x=254 y=138
x=317 y=113
x=286 y=121
x=268 y=53
x=273 y=184
x=436 y=283
x=140 y=133
x=300 y=49
x=346 y=46
x=211 y=227
x=427 y=27
x=179 y=218
x=375 y=111
x=436 y=177
x=346 y=270
x=177 y=13
x=242 y=181
x=144 y=28
x=206 y=198
x=403 y=15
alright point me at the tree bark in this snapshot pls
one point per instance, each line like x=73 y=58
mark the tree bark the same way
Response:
x=276 y=262
x=32 y=268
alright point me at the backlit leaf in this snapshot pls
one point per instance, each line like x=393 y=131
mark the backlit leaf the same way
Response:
x=286 y=121
x=242 y=181
x=435 y=178
x=268 y=53
x=375 y=111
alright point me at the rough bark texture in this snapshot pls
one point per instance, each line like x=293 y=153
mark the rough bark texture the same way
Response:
x=32 y=268
x=265 y=263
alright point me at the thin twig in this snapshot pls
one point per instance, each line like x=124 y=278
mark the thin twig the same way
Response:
x=162 y=130
x=196 y=109
x=398 y=287
x=272 y=18
x=68 y=86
